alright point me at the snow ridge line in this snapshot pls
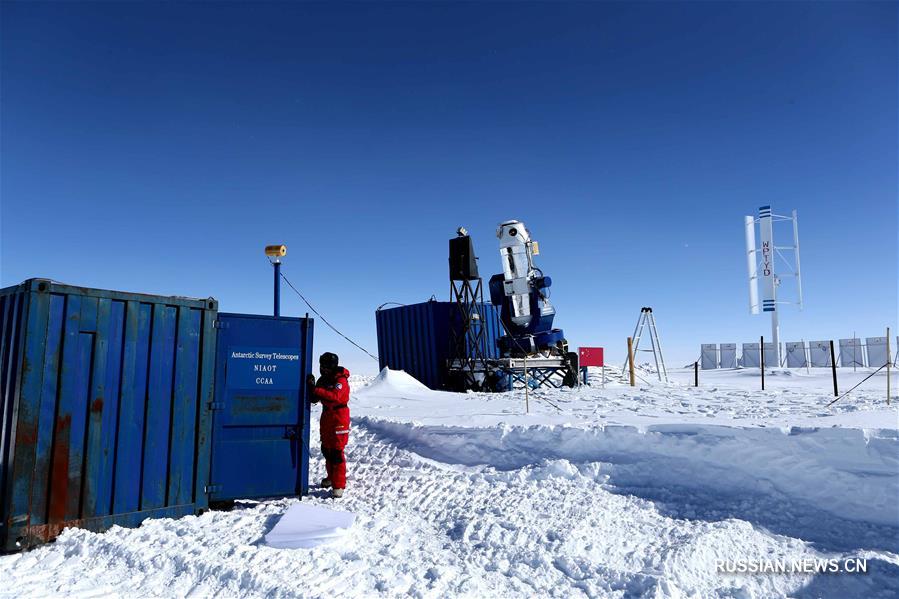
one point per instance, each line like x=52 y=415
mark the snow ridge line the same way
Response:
x=850 y=473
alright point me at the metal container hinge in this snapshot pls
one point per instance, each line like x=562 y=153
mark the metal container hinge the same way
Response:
x=219 y=324
x=216 y=405
x=212 y=489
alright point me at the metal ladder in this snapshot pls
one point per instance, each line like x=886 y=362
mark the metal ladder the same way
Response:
x=647 y=319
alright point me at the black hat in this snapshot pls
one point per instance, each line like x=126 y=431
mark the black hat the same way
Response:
x=328 y=360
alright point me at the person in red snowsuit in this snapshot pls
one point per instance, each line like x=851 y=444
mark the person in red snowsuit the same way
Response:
x=333 y=391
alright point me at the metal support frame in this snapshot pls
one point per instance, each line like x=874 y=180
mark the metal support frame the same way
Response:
x=532 y=372
x=793 y=269
x=647 y=319
x=468 y=341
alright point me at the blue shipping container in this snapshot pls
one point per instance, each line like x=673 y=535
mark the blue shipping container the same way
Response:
x=417 y=338
x=104 y=408
x=260 y=437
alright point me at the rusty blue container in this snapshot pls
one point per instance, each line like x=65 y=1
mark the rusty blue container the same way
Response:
x=417 y=338
x=105 y=403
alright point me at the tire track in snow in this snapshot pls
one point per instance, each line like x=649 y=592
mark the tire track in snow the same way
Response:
x=846 y=473
x=659 y=544
x=497 y=511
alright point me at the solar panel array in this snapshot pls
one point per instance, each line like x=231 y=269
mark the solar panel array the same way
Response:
x=800 y=354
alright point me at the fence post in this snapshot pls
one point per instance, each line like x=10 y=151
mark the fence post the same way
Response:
x=630 y=359
x=527 y=405
x=833 y=369
x=695 y=374
x=762 y=360
x=888 y=365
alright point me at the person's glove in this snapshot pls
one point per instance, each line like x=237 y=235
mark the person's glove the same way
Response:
x=310 y=387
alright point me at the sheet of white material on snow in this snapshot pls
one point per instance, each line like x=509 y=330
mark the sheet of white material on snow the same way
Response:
x=305 y=526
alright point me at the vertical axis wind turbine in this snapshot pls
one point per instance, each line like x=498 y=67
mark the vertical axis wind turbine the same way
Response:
x=761 y=261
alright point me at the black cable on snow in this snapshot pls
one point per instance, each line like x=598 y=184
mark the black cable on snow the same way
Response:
x=859 y=383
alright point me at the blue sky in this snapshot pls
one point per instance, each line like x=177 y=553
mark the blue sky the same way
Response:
x=159 y=147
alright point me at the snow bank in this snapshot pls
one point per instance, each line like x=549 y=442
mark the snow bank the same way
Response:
x=726 y=440
x=851 y=473
x=393 y=382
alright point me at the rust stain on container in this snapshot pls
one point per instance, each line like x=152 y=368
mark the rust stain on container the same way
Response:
x=26 y=436
x=48 y=532
x=59 y=471
x=97 y=405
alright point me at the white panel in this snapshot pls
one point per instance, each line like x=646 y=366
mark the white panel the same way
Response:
x=851 y=353
x=796 y=354
x=771 y=360
x=727 y=355
x=877 y=351
x=766 y=262
x=819 y=354
x=751 y=356
x=752 y=265
x=709 y=356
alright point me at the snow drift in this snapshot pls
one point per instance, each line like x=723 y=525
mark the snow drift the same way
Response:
x=849 y=473
x=394 y=382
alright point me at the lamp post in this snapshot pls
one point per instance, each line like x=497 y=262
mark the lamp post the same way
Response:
x=275 y=253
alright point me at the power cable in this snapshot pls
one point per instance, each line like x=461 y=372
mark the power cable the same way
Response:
x=853 y=389
x=388 y=304
x=324 y=320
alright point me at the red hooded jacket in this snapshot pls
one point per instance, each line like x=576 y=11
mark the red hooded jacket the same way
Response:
x=334 y=393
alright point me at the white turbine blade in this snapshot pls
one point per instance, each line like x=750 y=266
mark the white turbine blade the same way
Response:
x=751 y=264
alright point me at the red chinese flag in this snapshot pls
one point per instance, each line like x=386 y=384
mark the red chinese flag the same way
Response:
x=590 y=356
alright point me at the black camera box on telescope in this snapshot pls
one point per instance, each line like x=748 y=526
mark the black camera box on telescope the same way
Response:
x=462 y=261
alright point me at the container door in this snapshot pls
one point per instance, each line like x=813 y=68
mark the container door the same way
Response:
x=260 y=412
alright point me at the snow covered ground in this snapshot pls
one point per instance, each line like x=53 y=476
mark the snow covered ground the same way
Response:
x=614 y=492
